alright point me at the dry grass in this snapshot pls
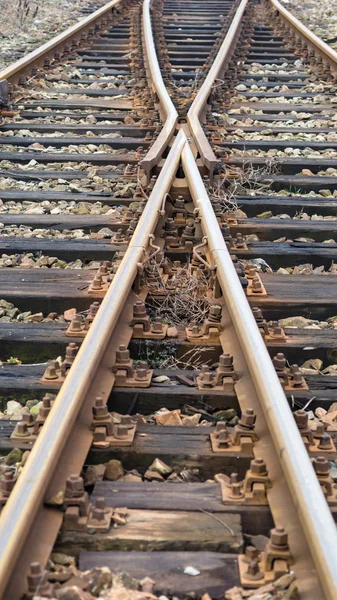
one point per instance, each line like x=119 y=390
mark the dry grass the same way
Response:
x=236 y=181
x=187 y=301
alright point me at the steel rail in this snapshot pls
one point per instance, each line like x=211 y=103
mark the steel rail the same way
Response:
x=31 y=487
x=311 y=39
x=155 y=79
x=313 y=510
x=194 y=114
x=58 y=42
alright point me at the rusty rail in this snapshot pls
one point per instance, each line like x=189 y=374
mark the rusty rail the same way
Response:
x=313 y=510
x=20 y=515
x=312 y=41
x=58 y=44
x=198 y=108
x=167 y=108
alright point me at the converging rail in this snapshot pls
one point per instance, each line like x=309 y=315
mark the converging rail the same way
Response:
x=177 y=221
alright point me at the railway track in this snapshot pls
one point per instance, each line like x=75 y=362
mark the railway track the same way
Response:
x=167 y=273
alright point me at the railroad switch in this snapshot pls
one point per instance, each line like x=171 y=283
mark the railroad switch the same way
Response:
x=126 y=374
x=273 y=333
x=208 y=332
x=240 y=440
x=322 y=470
x=106 y=431
x=318 y=441
x=80 y=515
x=259 y=568
x=143 y=328
x=290 y=378
x=79 y=326
x=252 y=490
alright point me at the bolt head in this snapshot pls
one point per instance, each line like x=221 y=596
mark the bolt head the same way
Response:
x=258 y=466
x=279 y=537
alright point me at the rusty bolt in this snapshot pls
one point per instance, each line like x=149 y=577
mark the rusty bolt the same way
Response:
x=139 y=310
x=321 y=465
x=234 y=478
x=226 y=360
x=223 y=438
x=220 y=426
x=257 y=312
x=258 y=466
x=297 y=380
x=279 y=538
x=248 y=418
x=320 y=430
x=7 y=483
x=253 y=571
x=127 y=421
x=71 y=351
x=141 y=374
x=325 y=442
x=122 y=354
x=51 y=370
x=279 y=361
x=195 y=329
x=93 y=309
x=236 y=490
x=27 y=417
x=256 y=284
x=121 y=431
x=36 y=579
x=21 y=429
x=98 y=511
x=74 y=486
x=100 y=409
x=76 y=323
x=118 y=237
x=301 y=418
x=157 y=326
x=215 y=313
x=97 y=282
x=251 y=552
